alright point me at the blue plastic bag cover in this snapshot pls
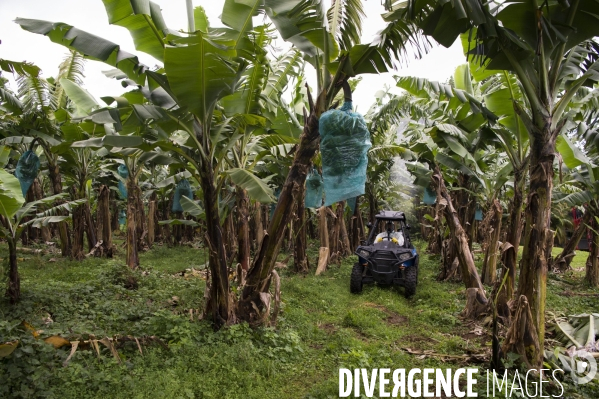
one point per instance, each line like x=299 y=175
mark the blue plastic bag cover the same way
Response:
x=314 y=190
x=26 y=171
x=124 y=173
x=430 y=196
x=122 y=217
x=478 y=214
x=351 y=203
x=274 y=204
x=183 y=188
x=344 y=143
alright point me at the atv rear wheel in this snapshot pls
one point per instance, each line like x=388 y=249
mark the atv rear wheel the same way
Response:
x=411 y=280
x=355 y=282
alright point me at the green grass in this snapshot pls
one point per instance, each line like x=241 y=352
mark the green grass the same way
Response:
x=322 y=327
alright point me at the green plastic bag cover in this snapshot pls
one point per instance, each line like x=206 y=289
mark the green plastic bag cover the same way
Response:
x=430 y=196
x=26 y=171
x=183 y=188
x=122 y=217
x=344 y=143
x=124 y=173
x=314 y=190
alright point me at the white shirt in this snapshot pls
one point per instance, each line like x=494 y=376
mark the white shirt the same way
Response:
x=395 y=235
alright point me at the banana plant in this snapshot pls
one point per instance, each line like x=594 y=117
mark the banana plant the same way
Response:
x=549 y=47
x=13 y=209
x=204 y=65
x=44 y=107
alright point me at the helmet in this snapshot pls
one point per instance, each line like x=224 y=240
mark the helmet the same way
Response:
x=389 y=226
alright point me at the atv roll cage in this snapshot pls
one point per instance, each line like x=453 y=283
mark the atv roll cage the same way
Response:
x=388 y=261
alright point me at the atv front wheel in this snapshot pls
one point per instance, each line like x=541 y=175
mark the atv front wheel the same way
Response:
x=411 y=275
x=355 y=283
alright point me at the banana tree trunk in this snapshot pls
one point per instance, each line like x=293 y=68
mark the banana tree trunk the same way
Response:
x=132 y=250
x=177 y=230
x=345 y=245
x=78 y=232
x=563 y=260
x=492 y=243
x=114 y=221
x=477 y=300
x=435 y=242
x=243 y=229
x=90 y=229
x=39 y=194
x=334 y=247
x=152 y=221
x=592 y=265
x=324 y=251
x=465 y=207
x=140 y=219
x=13 y=290
x=258 y=279
x=63 y=231
x=258 y=224
x=505 y=291
x=354 y=227
x=300 y=258
x=29 y=234
x=538 y=239
x=104 y=222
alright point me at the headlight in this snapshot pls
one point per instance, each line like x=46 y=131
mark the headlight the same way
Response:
x=364 y=253
x=405 y=256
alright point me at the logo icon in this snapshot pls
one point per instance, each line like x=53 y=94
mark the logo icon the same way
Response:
x=583 y=367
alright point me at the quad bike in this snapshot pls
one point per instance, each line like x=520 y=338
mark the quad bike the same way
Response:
x=388 y=258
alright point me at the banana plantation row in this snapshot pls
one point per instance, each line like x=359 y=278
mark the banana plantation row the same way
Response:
x=522 y=110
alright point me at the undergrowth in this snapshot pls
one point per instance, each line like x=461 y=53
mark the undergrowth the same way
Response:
x=321 y=328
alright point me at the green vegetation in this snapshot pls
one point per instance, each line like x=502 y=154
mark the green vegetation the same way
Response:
x=322 y=328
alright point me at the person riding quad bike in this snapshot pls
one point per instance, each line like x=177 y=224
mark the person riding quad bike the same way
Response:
x=390 y=234
x=389 y=258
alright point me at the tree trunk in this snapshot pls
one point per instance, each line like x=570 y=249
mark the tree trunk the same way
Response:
x=537 y=239
x=132 y=254
x=258 y=280
x=104 y=221
x=39 y=194
x=323 y=233
x=114 y=221
x=90 y=229
x=355 y=223
x=435 y=242
x=466 y=207
x=510 y=249
x=243 y=229
x=78 y=232
x=345 y=245
x=470 y=275
x=592 y=265
x=334 y=227
x=218 y=302
x=29 y=233
x=140 y=219
x=300 y=258
x=177 y=230
x=562 y=262
x=259 y=224
x=13 y=290
x=166 y=215
x=152 y=221
x=491 y=242
x=55 y=178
